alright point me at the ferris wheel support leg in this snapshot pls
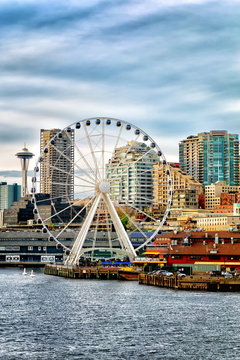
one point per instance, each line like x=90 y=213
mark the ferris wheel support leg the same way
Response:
x=122 y=235
x=78 y=244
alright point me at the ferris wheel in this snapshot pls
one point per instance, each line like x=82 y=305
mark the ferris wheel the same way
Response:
x=99 y=176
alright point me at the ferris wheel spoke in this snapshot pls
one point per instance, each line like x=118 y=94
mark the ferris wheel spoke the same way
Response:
x=103 y=145
x=78 y=244
x=108 y=230
x=149 y=201
x=133 y=222
x=60 y=211
x=147 y=241
x=76 y=176
x=129 y=164
x=138 y=173
x=140 y=211
x=97 y=174
x=122 y=235
x=120 y=241
x=51 y=199
x=68 y=184
x=115 y=146
x=95 y=236
x=71 y=221
x=67 y=173
x=83 y=158
x=71 y=161
x=127 y=152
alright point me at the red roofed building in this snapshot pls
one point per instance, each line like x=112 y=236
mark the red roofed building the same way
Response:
x=202 y=251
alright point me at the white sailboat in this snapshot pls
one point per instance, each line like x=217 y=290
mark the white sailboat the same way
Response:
x=24 y=271
x=32 y=274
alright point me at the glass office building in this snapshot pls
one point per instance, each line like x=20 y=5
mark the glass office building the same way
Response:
x=210 y=157
x=8 y=194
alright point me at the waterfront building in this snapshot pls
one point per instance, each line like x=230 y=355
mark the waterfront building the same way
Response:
x=202 y=251
x=56 y=170
x=181 y=182
x=214 y=194
x=131 y=169
x=31 y=247
x=34 y=247
x=210 y=157
x=8 y=194
x=24 y=157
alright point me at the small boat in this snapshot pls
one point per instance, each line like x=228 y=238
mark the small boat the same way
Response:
x=129 y=273
x=24 y=271
x=32 y=274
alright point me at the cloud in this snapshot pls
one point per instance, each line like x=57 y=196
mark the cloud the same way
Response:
x=12 y=133
x=171 y=67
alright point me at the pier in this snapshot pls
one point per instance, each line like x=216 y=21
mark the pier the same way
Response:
x=74 y=272
x=193 y=282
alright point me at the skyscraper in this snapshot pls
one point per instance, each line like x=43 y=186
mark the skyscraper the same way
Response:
x=210 y=157
x=57 y=167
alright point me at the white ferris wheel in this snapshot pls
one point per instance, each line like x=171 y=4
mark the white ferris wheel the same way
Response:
x=98 y=174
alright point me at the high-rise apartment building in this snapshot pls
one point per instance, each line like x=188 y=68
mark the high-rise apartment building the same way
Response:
x=8 y=194
x=56 y=169
x=180 y=182
x=210 y=157
x=130 y=170
x=189 y=156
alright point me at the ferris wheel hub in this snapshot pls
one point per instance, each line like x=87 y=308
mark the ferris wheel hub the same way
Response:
x=104 y=187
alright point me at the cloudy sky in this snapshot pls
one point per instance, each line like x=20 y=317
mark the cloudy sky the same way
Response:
x=169 y=66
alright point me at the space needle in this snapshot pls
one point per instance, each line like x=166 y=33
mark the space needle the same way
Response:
x=24 y=157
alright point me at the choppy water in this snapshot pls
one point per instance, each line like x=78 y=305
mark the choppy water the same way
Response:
x=47 y=317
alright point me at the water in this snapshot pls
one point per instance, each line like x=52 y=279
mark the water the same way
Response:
x=47 y=317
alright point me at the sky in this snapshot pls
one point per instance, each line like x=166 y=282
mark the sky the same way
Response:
x=170 y=67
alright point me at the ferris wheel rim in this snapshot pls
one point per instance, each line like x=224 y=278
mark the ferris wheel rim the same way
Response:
x=123 y=122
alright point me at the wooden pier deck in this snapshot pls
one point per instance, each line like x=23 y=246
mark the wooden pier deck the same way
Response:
x=92 y=272
x=194 y=282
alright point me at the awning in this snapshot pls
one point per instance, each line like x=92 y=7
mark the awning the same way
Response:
x=153 y=252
